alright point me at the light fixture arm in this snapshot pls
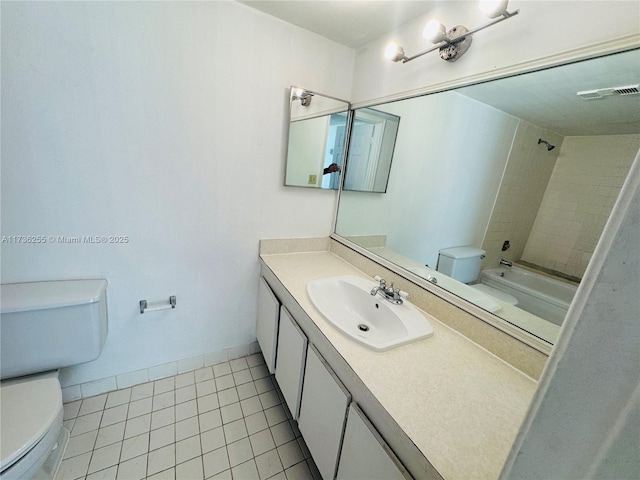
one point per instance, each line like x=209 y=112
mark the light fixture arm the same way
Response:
x=453 y=41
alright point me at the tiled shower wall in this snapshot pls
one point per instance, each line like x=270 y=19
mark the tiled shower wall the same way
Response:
x=583 y=188
x=523 y=185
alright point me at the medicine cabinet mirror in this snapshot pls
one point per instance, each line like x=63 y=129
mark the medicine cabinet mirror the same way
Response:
x=527 y=168
x=317 y=133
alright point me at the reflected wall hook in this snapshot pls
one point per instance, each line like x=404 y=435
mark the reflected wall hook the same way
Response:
x=145 y=307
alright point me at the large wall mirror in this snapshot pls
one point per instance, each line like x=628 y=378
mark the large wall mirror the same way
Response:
x=317 y=133
x=522 y=171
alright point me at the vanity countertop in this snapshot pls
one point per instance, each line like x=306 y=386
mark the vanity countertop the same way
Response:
x=459 y=404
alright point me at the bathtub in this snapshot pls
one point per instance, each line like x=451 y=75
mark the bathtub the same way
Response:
x=538 y=294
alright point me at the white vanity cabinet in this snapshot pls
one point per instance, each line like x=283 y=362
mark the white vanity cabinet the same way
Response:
x=323 y=412
x=342 y=441
x=267 y=323
x=291 y=356
x=365 y=454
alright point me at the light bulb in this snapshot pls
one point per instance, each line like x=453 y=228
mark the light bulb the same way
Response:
x=434 y=31
x=394 y=52
x=493 y=8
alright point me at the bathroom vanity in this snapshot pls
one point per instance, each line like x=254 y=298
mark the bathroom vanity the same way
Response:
x=440 y=407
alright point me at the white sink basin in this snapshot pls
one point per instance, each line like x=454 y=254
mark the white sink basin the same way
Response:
x=347 y=303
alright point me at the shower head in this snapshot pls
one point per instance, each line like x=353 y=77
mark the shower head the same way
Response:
x=549 y=146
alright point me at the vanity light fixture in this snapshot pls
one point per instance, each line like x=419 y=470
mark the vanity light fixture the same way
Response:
x=453 y=43
x=302 y=95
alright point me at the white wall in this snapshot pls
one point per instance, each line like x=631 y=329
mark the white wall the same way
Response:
x=165 y=122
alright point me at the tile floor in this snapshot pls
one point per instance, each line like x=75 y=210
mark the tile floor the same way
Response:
x=227 y=421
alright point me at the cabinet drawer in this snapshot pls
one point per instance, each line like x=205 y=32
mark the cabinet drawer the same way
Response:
x=365 y=455
x=322 y=413
x=290 y=360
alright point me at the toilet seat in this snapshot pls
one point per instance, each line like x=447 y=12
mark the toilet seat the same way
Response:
x=494 y=292
x=31 y=412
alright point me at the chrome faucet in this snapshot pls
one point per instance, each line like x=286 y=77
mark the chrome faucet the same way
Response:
x=393 y=295
x=505 y=262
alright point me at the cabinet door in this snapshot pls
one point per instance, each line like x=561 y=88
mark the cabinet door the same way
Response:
x=365 y=455
x=267 y=323
x=323 y=412
x=292 y=352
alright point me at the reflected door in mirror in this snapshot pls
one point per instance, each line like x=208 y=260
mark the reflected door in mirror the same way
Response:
x=371 y=145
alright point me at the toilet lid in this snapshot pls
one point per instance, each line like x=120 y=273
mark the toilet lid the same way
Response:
x=494 y=292
x=27 y=411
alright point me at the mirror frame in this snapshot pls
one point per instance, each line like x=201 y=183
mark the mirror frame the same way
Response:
x=600 y=50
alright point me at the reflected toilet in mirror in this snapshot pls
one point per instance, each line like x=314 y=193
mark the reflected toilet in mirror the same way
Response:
x=463 y=264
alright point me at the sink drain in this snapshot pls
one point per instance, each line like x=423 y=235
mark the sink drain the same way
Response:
x=363 y=328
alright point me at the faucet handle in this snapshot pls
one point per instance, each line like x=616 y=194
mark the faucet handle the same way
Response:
x=404 y=294
x=382 y=281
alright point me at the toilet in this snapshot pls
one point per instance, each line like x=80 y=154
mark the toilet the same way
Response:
x=464 y=264
x=45 y=326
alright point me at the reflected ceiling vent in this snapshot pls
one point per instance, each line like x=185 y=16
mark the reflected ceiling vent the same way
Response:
x=607 y=92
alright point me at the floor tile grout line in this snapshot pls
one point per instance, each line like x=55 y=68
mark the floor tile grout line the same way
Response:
x=93 y=450
x=254 y=391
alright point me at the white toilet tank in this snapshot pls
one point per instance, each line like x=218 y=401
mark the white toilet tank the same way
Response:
x=461 y=263
x=49 y=325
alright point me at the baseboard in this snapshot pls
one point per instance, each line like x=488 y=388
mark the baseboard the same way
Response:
x=129 y=379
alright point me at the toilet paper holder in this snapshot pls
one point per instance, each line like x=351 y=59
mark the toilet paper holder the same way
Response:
x=147 y=307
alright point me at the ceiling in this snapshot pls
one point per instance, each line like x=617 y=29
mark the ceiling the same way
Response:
x=353 y=23
x=548 y=98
